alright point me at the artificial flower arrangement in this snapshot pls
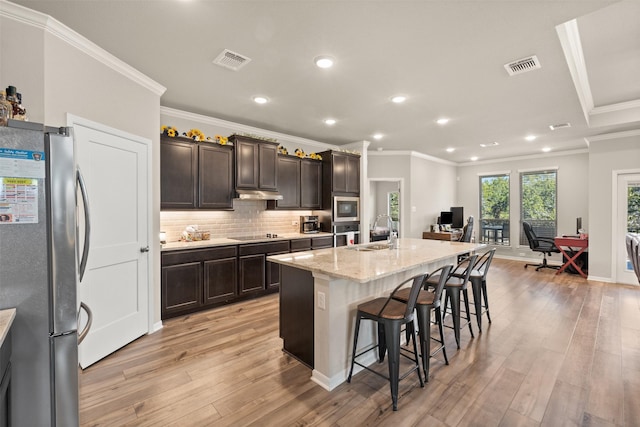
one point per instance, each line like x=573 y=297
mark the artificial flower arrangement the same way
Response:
x=195 y=134
x=169 y=131
x=298 y=152
x=222 y=140
x=282 y=150
x=315 y=156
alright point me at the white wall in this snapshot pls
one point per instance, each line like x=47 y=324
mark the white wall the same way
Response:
x=430 y=186
x=59 y=72
x=609 y=153
x=573 y=192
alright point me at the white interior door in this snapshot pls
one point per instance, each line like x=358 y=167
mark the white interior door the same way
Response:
x=627 y=220
x=115 y=284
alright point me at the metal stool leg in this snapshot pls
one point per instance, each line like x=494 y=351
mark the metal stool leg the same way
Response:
x=476 y=288
x=355 y=344
x=486 y=299
x=392 y=333
x=438 y=317
x=453 y=295
x=466 y=306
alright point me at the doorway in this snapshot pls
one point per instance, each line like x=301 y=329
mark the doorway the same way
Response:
x=385 y=208
x=626 y=220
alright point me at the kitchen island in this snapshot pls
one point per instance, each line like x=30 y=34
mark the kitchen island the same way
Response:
x=320 y=290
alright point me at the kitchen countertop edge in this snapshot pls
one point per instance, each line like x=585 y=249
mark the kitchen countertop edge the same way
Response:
x=226 y=241
x=6 y=320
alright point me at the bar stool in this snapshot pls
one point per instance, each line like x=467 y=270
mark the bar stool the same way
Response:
x=456 y=287
x=478 y=279
x=390 y=315
x=429 y=299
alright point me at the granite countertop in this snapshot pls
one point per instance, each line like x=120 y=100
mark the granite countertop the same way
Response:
x=353 y=263
x=6 y=320
x=224 y=241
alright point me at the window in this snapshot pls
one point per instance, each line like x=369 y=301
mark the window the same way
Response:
x=393 y=209
x=494 y=209
x=633 y=208
x=538 y=201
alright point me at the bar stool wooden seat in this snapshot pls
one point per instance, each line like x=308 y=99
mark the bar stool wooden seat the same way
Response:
x=456 y=287
x=429 y=299
x=390 y=315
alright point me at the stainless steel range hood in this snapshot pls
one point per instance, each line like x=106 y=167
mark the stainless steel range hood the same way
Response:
x=257 y=195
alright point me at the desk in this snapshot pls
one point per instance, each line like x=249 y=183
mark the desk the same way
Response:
x=571 y=242
x=442 y=235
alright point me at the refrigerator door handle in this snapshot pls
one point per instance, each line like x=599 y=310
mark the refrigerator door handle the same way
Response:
x=82 y=334
x=87 y=223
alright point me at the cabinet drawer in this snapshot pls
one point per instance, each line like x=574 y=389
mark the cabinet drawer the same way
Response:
x=197 y=255
x=298 y=245
x=322 y=242
x=264 y=248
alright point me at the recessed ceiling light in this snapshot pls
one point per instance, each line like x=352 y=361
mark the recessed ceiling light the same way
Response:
x=546 y=149
x=450 y=150
x=442 y=121
x=330 y=122
x=260 y=99
x=377 y=136
x=324 y=61
x=398 y=99
x=530 y=138
x=474 y=158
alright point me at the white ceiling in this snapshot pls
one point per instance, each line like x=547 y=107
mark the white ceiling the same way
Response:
x=447 y=56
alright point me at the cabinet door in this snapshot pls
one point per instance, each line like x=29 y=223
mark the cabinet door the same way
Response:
x=288 y=182
x=268 y=166
x=273 y=272
x=246 y=164
x=181 y=288
x=216 y=177
x=310 y=184
x=339 y=166
x=178 y=174
x=220 y=280
x=322 y=242
x=353 y=174
x=252 y=273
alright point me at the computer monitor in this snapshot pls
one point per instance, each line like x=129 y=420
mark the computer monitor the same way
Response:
x=446 y=217
x=458 y=217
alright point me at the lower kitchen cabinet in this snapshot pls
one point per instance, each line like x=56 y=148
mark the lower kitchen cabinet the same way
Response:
x=194 y=279
x=198 y=279
x=5 y=383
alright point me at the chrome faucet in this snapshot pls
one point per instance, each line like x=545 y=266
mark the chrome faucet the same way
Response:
x=393 y=237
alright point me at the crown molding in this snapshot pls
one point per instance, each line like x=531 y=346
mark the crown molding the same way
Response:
x=604 y=115
x=57 y=29
x=408 y=153
x=615 y=135
x=239 y=127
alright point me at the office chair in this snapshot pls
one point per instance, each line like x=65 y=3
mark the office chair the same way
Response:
x=540 y=244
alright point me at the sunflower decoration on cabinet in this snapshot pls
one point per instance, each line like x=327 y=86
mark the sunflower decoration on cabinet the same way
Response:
x=282 y=150
x=195 y=134
x=298 y=152
x=170 y=131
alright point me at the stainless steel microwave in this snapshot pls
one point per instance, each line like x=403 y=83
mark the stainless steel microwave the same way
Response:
x=346 y=209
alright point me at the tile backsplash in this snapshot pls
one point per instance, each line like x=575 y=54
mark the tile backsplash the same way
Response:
x=248 y=217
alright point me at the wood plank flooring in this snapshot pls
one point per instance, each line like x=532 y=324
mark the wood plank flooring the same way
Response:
x=561 y=351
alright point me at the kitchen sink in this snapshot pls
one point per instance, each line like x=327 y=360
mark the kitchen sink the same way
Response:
x=369 y=248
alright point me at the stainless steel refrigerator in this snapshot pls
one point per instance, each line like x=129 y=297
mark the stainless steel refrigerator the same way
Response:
x=41 y=265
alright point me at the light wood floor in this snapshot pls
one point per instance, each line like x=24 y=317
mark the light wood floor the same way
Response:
x=561 y=351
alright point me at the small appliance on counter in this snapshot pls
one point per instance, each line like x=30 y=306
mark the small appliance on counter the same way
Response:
x=309 y=224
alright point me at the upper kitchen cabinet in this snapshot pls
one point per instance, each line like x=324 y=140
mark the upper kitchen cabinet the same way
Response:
x=299 y=183
x=256 y=163
x=195 y=175
x=341 y=172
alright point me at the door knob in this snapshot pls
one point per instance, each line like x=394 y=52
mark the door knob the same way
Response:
x=145 y=249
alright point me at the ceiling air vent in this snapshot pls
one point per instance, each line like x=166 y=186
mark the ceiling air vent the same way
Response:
x=522 y=65
x=231 y=60
x=560 y=126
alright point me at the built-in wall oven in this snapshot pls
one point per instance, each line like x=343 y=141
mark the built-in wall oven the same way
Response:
x=345 y=234
x=346 y=209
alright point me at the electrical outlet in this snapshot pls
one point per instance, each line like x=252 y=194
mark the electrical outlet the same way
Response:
x=321 y=301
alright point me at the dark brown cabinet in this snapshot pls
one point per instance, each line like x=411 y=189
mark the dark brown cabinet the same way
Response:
x=5 y=382
x=341 y=173
x=256 y=163
x=322 y=242
x=299 y=183
x=195 y=175
x=197 y=278
x=256 y=273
